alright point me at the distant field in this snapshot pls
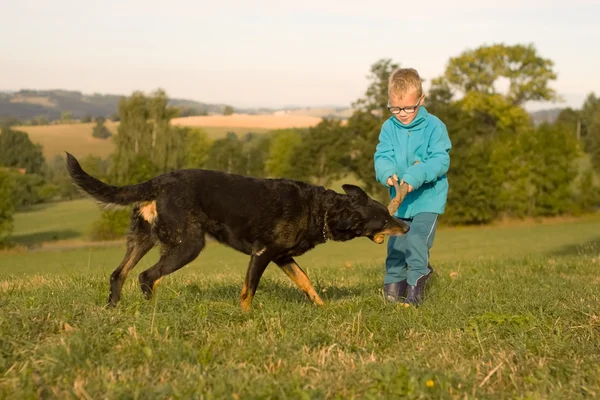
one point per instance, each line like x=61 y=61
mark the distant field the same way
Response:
x=74 y=138
x=77 y=138
x=252 y=121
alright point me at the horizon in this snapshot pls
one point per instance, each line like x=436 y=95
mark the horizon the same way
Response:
x=271 y=55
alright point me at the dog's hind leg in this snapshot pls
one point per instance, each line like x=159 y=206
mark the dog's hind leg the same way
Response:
x=256 y=268
x=296 y=274
x=139 y=242
x=173 y=258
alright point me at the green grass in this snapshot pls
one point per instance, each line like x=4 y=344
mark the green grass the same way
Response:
x=68 y=220
x=512 y=312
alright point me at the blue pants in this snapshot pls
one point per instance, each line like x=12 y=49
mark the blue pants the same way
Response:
x=408 y=255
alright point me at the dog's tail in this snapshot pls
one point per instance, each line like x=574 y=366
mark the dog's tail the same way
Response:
x=107 y=194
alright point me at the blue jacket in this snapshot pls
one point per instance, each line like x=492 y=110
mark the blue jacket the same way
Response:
x=419 y=154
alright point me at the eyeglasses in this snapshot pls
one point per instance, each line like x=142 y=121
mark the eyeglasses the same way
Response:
x=408 y=110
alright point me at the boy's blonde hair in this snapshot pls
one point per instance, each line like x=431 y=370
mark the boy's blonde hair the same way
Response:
x=402 y=80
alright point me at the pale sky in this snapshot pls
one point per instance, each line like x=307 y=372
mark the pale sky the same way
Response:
x=270 y=53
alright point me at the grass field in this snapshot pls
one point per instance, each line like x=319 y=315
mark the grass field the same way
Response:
x=512 y=312
x=64 y=221
x=74 y=138
x=77 y=138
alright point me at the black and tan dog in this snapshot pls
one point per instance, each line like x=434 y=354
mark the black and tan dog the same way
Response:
x=272 y=220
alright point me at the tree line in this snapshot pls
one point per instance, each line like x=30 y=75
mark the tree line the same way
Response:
x=502 y=164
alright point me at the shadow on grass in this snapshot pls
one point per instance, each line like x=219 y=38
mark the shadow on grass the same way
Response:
x=591 y=248
x=222 y=291
x=37 y=238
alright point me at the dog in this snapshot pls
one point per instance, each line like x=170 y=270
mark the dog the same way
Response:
x=270 y=220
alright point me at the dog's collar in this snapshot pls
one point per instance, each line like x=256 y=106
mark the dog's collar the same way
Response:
x=325 y=230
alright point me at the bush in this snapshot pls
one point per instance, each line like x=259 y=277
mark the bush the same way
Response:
x=112 y=225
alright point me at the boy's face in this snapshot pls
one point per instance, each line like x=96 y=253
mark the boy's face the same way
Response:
x=410 y=100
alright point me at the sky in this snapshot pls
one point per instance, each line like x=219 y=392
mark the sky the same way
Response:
x=266 y=53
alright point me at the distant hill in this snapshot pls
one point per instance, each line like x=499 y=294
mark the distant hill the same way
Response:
x=548 y=115
x=50 y=105
x=46 y=106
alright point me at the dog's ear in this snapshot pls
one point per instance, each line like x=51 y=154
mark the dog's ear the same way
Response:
x=356 y=192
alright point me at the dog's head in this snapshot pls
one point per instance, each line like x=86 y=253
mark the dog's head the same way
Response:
x=363 y=216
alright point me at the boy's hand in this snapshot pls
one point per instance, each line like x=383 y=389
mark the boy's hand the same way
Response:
x=390 y=182
x=395 y=177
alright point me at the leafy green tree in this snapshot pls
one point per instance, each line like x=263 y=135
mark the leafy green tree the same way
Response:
x=472 y=190
x=228 y=110
x=255 y=149
x=100 y=130
x=364 y=126
x=376 y=95
x=197 y=147
x=590 y=106
x=593 y=139
x=557 y=153
x=227 y=155
x=18 y=151
x=66 y=117
x=323 y=154
x=28 y=190
x=587 y=193
x=146 y=145
x=280 y=160
x=481 y=70
x=7 y=207
x=145 y=131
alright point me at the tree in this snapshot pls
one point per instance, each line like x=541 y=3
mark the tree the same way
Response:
x=593 y=139
x=18 y=151
x=494 y=113
x=146 y=145
x=7 y=207
x=569 y=120
x=554 y=171
x=228 y=110
x=590 y=106
x=365 y=123
x=100 y=130
x=376 y=96
x=66 y=117
x=226 y=154
x=482 y=69
x=197 y=147
x=473 y=190
x=255 y=149
x=167 y=151
x=323 y=154
x=145 y=131
x=280 y=161
x=86 y=119
x=588 y=193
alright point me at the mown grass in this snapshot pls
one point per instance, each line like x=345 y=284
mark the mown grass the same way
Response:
x=511 y=313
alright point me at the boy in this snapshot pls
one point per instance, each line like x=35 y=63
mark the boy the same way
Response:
x=413 y=146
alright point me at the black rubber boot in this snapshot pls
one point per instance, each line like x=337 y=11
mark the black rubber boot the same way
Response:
x=394 y=291
x=414 y=294
x=422 y=280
